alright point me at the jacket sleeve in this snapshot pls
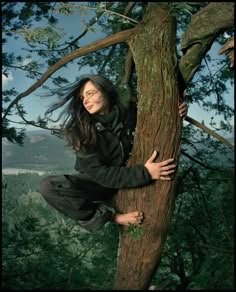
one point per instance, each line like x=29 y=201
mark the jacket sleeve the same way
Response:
x=115 y=177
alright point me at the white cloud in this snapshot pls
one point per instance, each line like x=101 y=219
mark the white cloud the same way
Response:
x=5 y=79
x=226 y=35
x=25 y=62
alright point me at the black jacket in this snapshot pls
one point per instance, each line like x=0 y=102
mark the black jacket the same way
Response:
x=104 y=163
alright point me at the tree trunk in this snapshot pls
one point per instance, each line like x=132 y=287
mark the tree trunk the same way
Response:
x=158 y=128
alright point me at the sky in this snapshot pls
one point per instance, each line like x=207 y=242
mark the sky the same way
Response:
x=73 y=25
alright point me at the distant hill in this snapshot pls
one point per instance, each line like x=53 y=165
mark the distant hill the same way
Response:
x=219 y=155
x=41 y=151
x=45 y=152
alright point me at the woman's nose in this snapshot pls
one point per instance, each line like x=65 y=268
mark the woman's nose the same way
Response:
x=85 y=101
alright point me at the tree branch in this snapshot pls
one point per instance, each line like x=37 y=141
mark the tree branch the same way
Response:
x=199 y=162
x=204 y=201
x=129 y=7
x=104 y=10
x=204 y=27
x=228 y=49
x=91 y=23
x=100 y=44
x=209 y=131
x=80 y=257
x=129 y=70
x=33 y=123
x=128 y=66
x=21 y=68
x=129 y=57
x=218 y=248
x=107 y=58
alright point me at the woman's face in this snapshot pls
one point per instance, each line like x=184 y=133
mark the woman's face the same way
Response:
x=93 y=100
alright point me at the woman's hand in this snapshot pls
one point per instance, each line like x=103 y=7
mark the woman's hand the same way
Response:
x=228 y=49
x=183 y=110
x=160 y=170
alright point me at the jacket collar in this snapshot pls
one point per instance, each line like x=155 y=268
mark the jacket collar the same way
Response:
x=112 y=121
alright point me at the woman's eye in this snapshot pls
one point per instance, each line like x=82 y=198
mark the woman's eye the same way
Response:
x=90 y=94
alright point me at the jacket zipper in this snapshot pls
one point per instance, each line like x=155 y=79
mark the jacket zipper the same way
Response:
x=122 y=151
x=121 y=148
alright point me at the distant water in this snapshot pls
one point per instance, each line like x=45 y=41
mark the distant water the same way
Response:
x=21 y=170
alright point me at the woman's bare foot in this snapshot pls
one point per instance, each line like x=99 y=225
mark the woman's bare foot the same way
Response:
x=128 y=218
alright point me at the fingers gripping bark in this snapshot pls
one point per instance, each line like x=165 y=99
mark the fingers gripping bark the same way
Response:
x=160 y=170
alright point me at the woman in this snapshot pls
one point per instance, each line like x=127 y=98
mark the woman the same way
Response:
x=97 y=128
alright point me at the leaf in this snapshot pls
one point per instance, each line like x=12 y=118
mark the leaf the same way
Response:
x=136 y=231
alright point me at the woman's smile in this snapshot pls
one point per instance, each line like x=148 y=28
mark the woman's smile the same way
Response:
x=89 y=107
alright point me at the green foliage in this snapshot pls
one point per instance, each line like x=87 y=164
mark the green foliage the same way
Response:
x=64 y=9
x=16 y=14
x=136 y=231
x=180 y=7
x=201 y=236
x=44 y=249
x=19 y=17
x=49 y=35
x=60 y=81
x=7 y=93
x=11 y=134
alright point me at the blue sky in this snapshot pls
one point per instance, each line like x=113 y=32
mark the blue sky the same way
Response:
x=35 y=105
x=73 y=25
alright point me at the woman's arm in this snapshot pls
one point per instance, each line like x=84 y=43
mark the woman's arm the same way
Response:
x=115 y=177
x=118 y=177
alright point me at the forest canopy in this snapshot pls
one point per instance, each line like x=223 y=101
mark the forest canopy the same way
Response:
x=48 y=45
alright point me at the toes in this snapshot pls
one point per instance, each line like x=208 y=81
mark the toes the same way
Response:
x=138 y=214
x=135 y=214
x=141 y=216
x=139 y=220
x=136 y=217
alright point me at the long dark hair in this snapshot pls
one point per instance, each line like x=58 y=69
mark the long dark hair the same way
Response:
x=78 y=125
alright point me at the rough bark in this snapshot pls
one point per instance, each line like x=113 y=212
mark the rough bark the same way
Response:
x=158 y=127
x=228 y=49
x=205 y=26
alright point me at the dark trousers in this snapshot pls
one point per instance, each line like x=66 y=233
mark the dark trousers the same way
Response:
x=85 y=201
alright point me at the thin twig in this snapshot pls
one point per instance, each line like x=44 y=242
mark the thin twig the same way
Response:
x=209 y=131
x=104 y=10
x=80 y=257
x=32 y=122
x=199 y=162
x=223 y=250
x=119 y=37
